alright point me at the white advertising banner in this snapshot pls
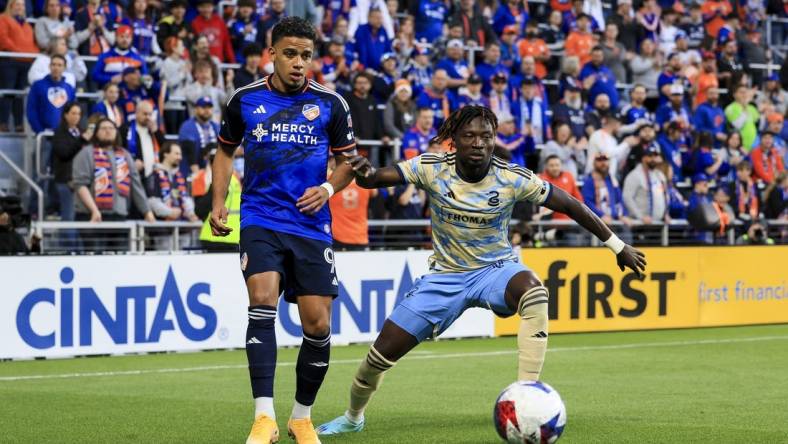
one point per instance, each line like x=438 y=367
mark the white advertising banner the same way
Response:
x=81 y=305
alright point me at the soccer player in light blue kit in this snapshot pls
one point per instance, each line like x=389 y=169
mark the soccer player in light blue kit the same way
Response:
x=472 y=194
x=287 y=126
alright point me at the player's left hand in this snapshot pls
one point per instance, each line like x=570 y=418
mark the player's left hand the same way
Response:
x=633 y=259
x=313 y=200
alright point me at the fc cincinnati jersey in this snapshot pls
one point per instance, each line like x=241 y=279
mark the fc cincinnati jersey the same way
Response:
x=286 y=140
x=470 y=221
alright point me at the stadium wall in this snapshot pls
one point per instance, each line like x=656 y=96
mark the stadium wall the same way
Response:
x=60 y=306
x=683 y=287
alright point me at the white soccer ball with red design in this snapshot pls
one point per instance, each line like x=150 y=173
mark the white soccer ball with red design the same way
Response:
x=529 y=412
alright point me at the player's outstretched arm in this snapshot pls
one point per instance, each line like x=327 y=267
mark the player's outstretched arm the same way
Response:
x=222 y=169
x=368 y=176
x=626 y=256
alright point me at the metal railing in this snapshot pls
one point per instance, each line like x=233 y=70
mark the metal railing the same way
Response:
x=30 y=182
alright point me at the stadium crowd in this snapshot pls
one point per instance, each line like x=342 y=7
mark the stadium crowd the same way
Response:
x=646 y=111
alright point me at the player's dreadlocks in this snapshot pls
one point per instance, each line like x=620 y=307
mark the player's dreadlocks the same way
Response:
x=462 y=117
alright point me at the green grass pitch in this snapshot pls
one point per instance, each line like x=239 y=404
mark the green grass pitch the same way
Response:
x=726 y=385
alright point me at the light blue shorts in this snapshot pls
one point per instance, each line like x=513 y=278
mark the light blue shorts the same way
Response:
x=438 y=299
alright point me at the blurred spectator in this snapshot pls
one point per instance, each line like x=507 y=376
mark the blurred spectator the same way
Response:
x=104 y=181
x=16 y=35
x=731 y=155
x=561 y=179
x=175 y=72
x=175 y=24
x=645 y=68
x=628 y=29
x=333 y=11
x=671 y=76
x=472 y=93
x=349 y=209
x=250 y=71
x=553 y=34
x=383 y=80
x=233 y=203
x=571 y=111
x=690 y=58
x=400 y=112
x=490 y=65
x=510 y=54
x=364 y=111
x=475 y=26
x=509 y=141
x=602 y=194
x=728 y=30
x=527 y=71
x=142 y=139
x=767 y=161
x=564 y=145
x=405 y=41
x=196 y=135
x=693 y=26
x=11 y=242
x=744 y=194
x=594 y=115
x=756 y=235
x=675 y=110
x=534 y=46
x=108 y=105
x=47 y=97
x=455 y=64
x=243 y=27
x=407 y=202
x=673 y=147
x=135 y=89
x=371 y=41
x=438 y=98
x=75 y=72
x=305 y=9
x=754 y=51
x=95 y=23
x=702 y=158
x=604 y=141
x=68 y=141
x=420 y=71
x=575 y=14
x=776 y=201
x=55 y=25
x=204 y=85
x=530 y=114
x=645 y=139
x=743 y=117
x=729 y=63
x=615 y=54
x=634 y=114
x=112 y=63
x=668 y=31
x=648 y=17
x=701 y=212
x=645 y=190
x=209 y=24
x=201 y=52
x=510 y=12
x=499 y=100
x=773 y=93
x=710 y=118
x=140 y=20
x=275 y=13
x=598 y=79
x=168 y=195
x=359 y=15
x=430 y=16
x=417 y=139
x=580 y=40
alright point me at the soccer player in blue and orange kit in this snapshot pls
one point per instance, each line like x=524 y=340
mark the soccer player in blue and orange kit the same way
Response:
x=287 y=126
x=471 y=194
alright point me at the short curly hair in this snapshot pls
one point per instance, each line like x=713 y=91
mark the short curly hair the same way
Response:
x=293 y=27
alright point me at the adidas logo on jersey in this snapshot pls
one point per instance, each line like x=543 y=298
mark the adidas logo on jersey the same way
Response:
x=539 y=334
x=254 y=341
x=260 y=110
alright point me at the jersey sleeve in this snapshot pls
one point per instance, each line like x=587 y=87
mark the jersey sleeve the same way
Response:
x=528 y=186
x=341 y=138
x=231 y=133
x=413 y=171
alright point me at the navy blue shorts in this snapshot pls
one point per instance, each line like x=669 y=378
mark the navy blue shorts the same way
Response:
x=306 y=265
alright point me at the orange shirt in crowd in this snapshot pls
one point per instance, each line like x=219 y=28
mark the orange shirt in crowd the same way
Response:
x=349 y=214
x=709 y=9
x=579 y=45
x=766 y=167
x=566 y=182
x=15 y=37
x=535 y=48
x=704 y=81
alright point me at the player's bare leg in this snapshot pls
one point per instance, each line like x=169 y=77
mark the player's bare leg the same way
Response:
x=526 y=295
x=312 y=365
x=263 y=289
x=391 y=344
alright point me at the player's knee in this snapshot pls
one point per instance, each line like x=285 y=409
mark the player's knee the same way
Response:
x=263 y=297
x=318 y=327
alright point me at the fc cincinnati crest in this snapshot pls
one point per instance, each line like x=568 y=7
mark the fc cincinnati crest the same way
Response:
x=311 y=112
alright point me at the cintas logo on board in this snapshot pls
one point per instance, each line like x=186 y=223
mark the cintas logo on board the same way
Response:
x=150 y=310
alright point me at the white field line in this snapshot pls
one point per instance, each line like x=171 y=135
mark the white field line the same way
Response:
x=425 y=356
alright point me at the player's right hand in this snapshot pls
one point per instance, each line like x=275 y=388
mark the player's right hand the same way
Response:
x=633 y=259
x=361 y=166
x=218 y=222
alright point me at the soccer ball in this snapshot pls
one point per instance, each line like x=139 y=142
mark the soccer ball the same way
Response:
x=529 y=412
